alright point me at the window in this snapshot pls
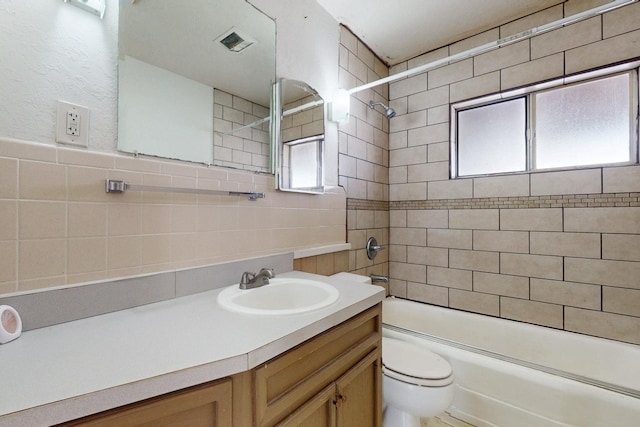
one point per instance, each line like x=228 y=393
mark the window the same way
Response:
x=589 y=121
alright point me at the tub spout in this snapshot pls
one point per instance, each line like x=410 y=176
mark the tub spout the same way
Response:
x=377 y=278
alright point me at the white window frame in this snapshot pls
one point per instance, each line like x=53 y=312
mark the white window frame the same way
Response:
x=529 y=92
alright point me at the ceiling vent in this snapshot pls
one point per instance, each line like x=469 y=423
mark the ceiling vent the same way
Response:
x=235 y=40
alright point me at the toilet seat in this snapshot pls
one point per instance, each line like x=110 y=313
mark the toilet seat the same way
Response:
x=414 y=365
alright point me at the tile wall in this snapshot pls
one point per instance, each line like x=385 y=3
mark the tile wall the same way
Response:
x=247 y=149
x=559 y=249
x=60 y=227
x=364 y=156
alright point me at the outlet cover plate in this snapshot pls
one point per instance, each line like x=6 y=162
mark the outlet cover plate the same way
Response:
x=80 y=134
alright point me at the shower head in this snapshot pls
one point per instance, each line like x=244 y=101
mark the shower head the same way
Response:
x=390 y=112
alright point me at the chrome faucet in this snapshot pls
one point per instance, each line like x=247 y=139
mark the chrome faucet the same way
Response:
x=252 y=280
x=378 y=278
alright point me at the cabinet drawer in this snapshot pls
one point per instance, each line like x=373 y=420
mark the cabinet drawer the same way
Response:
x=204 y=405
x=289 y=380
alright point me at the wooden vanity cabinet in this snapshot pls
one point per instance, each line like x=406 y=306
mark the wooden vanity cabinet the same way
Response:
x=207 y=404
x=333 y=379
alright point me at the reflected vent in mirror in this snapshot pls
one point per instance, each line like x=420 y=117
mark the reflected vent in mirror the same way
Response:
x=235 y=40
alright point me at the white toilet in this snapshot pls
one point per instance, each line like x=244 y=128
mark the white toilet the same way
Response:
x=416 y=383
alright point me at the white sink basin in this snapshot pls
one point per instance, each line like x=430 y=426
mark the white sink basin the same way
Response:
x=280 y=296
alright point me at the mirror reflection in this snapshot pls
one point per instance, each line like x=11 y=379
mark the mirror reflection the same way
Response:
x=301 y=138
x=194 y=81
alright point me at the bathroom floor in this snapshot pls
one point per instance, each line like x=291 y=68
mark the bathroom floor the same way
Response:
x=444 y=420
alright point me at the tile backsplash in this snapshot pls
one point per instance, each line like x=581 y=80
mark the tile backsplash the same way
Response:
x=60 y=227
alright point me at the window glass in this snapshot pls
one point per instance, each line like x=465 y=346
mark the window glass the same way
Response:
x=492 y=138
x=583 y=124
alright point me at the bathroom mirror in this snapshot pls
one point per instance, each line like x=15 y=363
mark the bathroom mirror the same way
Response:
x=299 y=137
x=195 y=81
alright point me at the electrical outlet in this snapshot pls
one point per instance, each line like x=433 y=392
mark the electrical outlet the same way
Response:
x=72 y=124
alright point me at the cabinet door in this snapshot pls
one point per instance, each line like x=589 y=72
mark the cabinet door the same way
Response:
x=359 y=398
x=320 y=411
x=206 y=405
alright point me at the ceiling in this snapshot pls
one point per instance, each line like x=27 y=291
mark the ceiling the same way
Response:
x=398 y=30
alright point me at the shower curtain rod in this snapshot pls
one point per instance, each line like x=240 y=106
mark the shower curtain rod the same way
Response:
x=497 y=44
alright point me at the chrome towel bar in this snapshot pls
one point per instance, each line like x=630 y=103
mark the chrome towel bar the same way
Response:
x=113 y=186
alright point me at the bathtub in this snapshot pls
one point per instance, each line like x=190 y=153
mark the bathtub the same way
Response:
x=512 y=374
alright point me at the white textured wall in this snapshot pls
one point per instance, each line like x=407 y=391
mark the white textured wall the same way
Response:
x=53 y=51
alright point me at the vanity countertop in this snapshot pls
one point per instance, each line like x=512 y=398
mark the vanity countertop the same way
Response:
x=67 y=371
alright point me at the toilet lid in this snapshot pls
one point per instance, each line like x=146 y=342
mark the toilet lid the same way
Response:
x=414 y=361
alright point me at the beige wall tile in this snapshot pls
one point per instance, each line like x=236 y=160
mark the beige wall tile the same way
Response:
x=504 y=57
x=621 y=301
x=409 y=86
x=75 y=157
x=428 y=99
x=583 y=181
x=501 y=241
x=475 y=302
x=448 y=74
x=156 y=249
x=566 y=293
x=87 y=184
x=608 y=51
x=413 y=191
x=445 y=238
x=428 y=218
x=621 y=179
x=438 y=152
x=398 y=288
x=474 y=260
x=545 y=68
x=428 y=172
x=408 y=156
x=86 y=220
x=123 y=252
x=8 y=264
x=428 y=256
x=8 y=178
x=41 y=258
x=86 y=255
x=156 y=219
x=545 y=267
x=585 y=245
x=501 y=186
x=603 y=272
x=398 y=253
x=568 y=37
x=476 y=86
x=501 y=284
x=429 y=294
x=449 y=277
x=428 y=134
x=9 y=219
x=410 y=272
x=600 y=324
x=623 y=247
x=531 y=219
x=42 y=220
x=474 y=219
x=538 y=313
x=603 y=220
x=408 y=236
x=184 y=246
x=124 y=219
x=42 y=181
x=467 y=43
x=621 y=20
x=28 y=150
x=451 y=189
x=183 y=218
